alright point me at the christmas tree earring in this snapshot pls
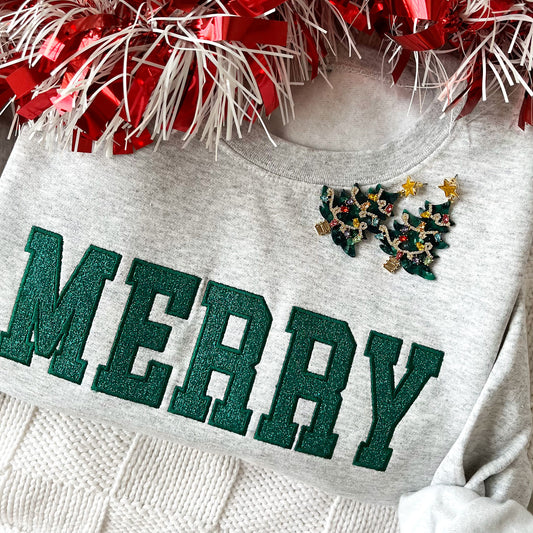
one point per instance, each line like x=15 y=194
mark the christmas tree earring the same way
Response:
x=350 y=214
x=413 y=242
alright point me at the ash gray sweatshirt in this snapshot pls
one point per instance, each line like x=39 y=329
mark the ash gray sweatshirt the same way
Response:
x=191 y=299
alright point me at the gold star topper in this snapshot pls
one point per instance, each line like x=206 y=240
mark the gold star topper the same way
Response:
x=449 y=187
x=410 y=187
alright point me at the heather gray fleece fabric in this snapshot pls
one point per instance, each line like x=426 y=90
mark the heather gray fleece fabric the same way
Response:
x=192 y=299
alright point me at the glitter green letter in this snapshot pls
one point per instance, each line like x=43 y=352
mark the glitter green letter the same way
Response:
x=210 y=355
x=296 y=381
x=390 y=403
x=59 y=323
x=136 y=330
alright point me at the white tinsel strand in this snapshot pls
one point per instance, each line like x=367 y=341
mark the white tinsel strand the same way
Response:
x=498 y=44
x=511 y=31
x=234 y=85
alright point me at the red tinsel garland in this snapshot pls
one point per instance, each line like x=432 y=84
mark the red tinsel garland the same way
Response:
x=121 y=73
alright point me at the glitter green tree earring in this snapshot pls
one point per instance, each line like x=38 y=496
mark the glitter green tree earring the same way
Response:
x=349 y=215
x=413 y=242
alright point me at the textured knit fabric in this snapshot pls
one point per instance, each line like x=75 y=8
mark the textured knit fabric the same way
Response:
x=64 y=474
x=143 y=482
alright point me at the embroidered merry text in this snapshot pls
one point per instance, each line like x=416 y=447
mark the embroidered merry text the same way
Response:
x=55 y=324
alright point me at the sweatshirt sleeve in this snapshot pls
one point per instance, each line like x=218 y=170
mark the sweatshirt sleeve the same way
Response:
x=485 y=481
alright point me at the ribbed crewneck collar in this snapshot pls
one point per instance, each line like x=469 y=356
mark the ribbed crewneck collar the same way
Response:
x=392 y=159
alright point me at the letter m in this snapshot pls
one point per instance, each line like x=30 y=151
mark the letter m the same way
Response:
x=53 y=324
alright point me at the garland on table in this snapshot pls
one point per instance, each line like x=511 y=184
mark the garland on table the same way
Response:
x=123 y=73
